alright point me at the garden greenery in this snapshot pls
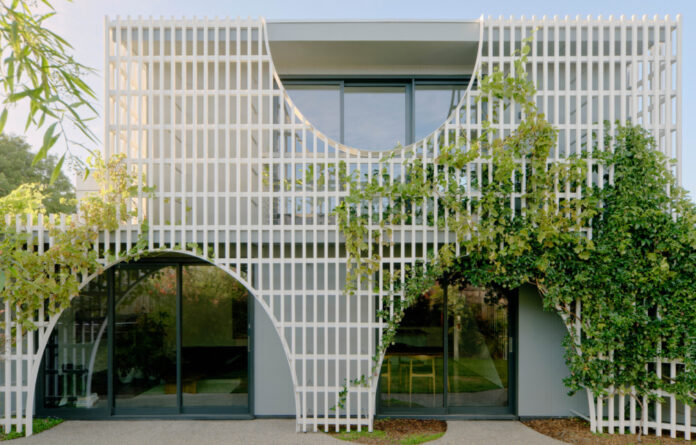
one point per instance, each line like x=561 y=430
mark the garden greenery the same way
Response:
x=37 y=69
x=31 y=280
x=605 y=235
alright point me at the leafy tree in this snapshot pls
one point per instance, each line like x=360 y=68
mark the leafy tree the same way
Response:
x=38 y=69
x=26 y=199
x=17 y=169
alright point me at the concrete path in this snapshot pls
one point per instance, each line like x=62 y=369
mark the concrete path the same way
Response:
x=260 y=431
x=493 y=432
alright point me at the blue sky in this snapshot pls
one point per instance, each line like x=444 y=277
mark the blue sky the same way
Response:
x=82 y=21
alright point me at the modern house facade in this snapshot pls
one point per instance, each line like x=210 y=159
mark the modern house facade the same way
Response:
x=239 y=311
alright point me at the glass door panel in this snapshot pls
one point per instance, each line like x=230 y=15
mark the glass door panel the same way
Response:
x=145 y=338
x=412 y=371
x=472 y=340
x=75 y=373
x=478 y=349
x=214 y=351
x=151 y=338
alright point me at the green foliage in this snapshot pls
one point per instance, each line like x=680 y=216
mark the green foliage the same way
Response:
x=30 y=280
x=17 y=169
x=381 y=436
x=420 y=438
x=38 y=70
x=145 y=346
x=25 y=199
x=638 y=287
x=625 y=252
x=39 y=426
x=354 y=436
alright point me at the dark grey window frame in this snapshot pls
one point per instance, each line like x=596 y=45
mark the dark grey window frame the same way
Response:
x=409 y=82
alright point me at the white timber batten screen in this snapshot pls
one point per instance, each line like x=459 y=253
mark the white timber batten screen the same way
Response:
x=198 y=108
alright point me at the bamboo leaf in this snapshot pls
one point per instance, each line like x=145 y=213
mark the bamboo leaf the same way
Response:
x=14 y=97
x=48 y=141
x=3 y=119
x=57 y=168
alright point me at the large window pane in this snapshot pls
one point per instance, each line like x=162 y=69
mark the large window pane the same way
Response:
x=214 y=340
x=412 y=371
x=167 y=317
x=478 y=348
x=145 y=337
x=321 y=105
x=76 y=360
x=434 y=103
x=375 y=116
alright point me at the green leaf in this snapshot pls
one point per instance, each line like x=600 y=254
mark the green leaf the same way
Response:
x=56 y=170
x=48 y=142
x=14 y=97
x=3 y=119
x=2 y=280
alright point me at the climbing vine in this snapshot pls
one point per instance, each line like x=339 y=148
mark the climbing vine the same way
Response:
x=31 y=279
x=638 y=286
x=604 y=233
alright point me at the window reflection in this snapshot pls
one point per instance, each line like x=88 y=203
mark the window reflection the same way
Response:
x=478 y=348
x=434 y=103
x=156 y=362
x=321 y=105
x=145 y=337
x=214 y=339
x=75 y=361
x=375 y=116
x=470 y=368
x=412 y=371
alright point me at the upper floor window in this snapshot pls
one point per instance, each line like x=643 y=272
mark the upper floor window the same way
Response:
x=376 y=114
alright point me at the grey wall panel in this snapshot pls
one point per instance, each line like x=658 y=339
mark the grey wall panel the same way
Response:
x=541 y=367
x=272 y=382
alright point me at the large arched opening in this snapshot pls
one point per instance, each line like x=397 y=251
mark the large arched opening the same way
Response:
x=163 y=336
x=466 y=351
x=453 y=353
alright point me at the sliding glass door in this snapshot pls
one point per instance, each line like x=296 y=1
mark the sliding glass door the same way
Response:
x=412 y=371
x=453 y=354
x=214 y=341
x=478 y=353
x=158 y=337
x=145 y=340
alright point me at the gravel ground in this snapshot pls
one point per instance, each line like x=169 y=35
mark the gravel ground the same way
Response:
x=575 y=431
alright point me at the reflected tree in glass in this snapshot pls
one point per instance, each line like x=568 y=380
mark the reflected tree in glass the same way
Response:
x=145 y=337
x=214 y=339
x=478 y=348
x=76 y=356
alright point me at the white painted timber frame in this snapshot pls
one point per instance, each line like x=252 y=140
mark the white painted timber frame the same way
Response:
x=197 y=106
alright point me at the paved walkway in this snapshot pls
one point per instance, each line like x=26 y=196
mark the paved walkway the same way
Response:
x=260 y=431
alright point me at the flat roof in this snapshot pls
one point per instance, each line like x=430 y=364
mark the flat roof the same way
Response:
x=374 y=47
x=374 y=30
